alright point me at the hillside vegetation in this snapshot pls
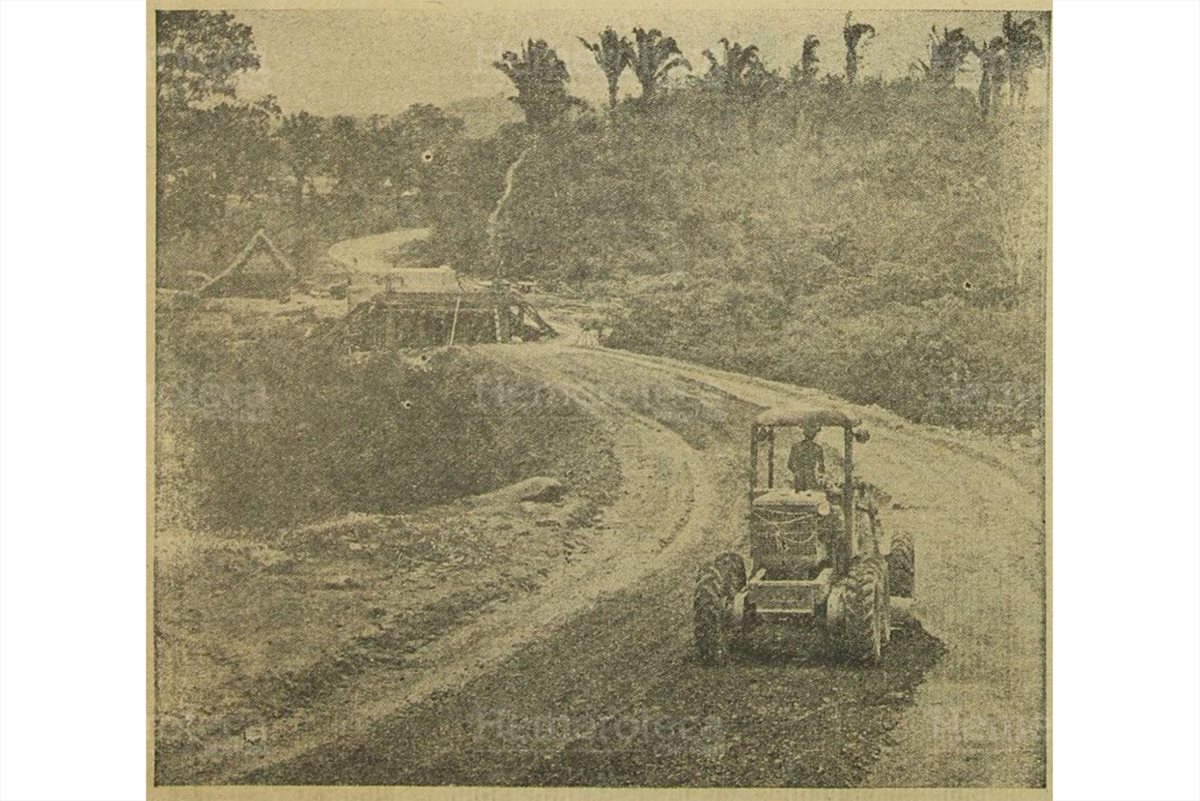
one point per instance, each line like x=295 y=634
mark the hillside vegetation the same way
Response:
x=885 y=241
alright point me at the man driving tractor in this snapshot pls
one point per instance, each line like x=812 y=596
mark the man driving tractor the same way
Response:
x=818 y=555
x=807 y=462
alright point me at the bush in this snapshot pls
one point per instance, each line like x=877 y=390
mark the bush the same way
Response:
x=270 y=428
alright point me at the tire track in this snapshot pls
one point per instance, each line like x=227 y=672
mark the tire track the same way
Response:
x=666 y=507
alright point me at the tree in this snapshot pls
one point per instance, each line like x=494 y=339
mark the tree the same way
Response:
x=947 y=54
x=303 y=149
x=853 y=34
x=199 y=56
x=993 y=72
x=1025 y=51
x=652 y=58
x=408 y=146
x=740 y=72
x=208 y=156
x=613 y=53
x=808 y=61
x=211 y=145
x=804 y=76
x=345 y=150
x=741 y=76
x=540 y=78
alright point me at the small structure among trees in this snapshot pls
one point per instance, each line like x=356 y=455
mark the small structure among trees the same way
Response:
x=259 y=271
x=398 y=319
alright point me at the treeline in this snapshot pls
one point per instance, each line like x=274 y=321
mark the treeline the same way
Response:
x=216 y=149
x=739 y=71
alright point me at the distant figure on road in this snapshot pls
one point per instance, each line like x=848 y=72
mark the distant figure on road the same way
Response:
x=807 y=462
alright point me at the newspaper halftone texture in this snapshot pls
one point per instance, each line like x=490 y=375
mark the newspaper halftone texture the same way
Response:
x=599 y=398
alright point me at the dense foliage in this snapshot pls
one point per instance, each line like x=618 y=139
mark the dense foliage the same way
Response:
x=884 y=242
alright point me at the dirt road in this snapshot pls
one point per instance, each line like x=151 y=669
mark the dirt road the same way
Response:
x=592 y=680
x=367 y=254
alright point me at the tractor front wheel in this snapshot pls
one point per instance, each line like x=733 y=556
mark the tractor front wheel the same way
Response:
x=864 y=626
x=716 y=586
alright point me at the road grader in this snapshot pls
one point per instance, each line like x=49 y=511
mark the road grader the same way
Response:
x=819 y=555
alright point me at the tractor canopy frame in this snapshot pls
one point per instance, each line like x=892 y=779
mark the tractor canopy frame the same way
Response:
x=763 y=430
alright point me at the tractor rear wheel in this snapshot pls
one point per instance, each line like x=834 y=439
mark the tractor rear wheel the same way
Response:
x=901 y=561
x=716 y=586
x=864 y=629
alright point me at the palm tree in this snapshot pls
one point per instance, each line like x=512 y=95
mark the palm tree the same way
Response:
x=993 y=69
x=739 y=71
x=809 y=60
x=613 y=53
x=540 y=77
x=652 y=58
x=947 y=54
x=742 y=76
x=1025 y=51
x=804 y=75
x=853 y=33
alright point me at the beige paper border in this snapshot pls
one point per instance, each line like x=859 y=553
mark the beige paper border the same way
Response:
x=375 y=793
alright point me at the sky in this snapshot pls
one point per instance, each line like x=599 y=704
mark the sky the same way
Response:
x=383 y=60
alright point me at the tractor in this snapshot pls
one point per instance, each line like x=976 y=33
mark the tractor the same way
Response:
x=819 y=556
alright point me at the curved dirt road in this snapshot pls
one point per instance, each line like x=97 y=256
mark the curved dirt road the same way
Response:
x=367 y=254
x=592 y=680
